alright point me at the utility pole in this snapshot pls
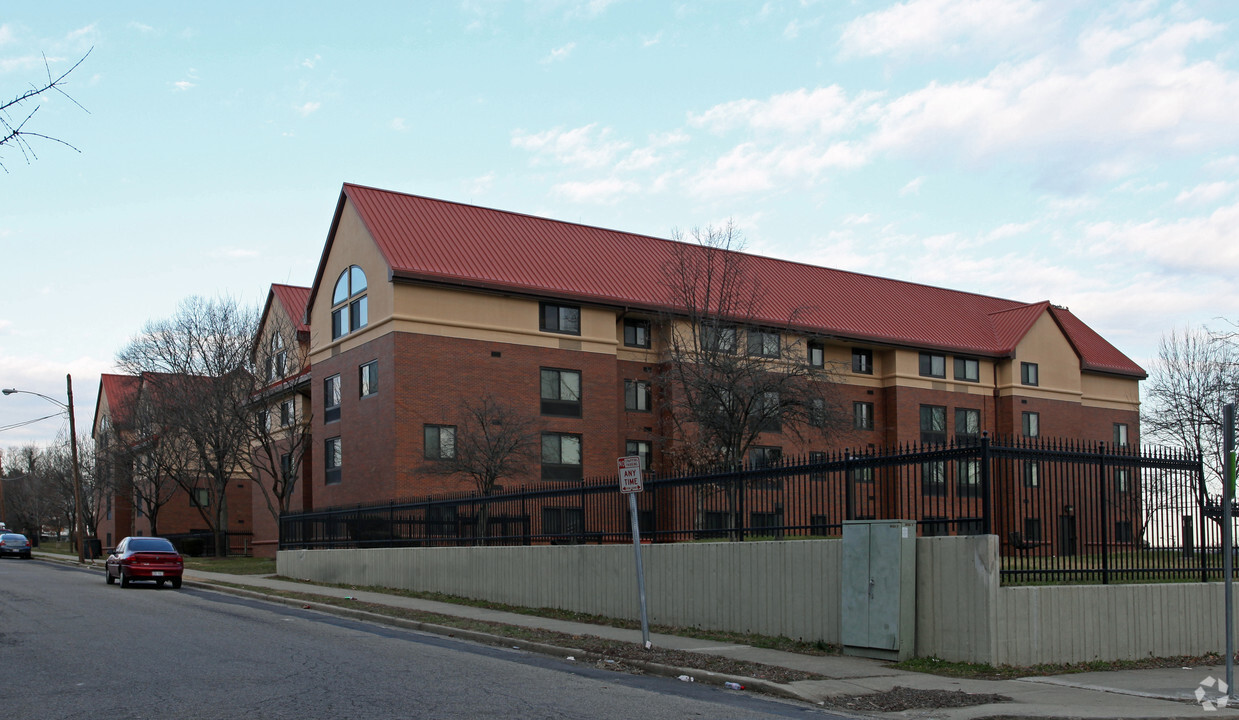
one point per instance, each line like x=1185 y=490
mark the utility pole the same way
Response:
x=77 y=477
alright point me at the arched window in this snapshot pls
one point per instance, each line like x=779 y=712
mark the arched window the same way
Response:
x=348 y=303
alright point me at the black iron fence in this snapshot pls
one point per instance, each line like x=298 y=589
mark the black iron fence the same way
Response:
x=1062 y=511
x=201 y=543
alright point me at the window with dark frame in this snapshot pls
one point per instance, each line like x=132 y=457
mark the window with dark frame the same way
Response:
x=349 y=305
x=817 y=412
x=1120 y=435
x=1122 y=480
x=862 y=475
x=762 y=456
x=559 y=318
x=1030 y=424
x=718 y=338
x=967 y=425
x=933 y=478
x=368 y=378
x=561 y=456
x=764 y=343
x=636 y=333
x=200 y=497
x=968 y=477
x=288 y=412
x=817 y=354
x=769 y=412
x=641 y=449
x=1032 y=530
x=862 y=415
x=287 y=470
x=637 y=396
x=439 y=442
x=1029 y=374
x=932 y=365
x=331 y=399
x=862 y=361
x=277 y=358
x=562 y=521
x=935 y=526
x=561 y=392
x=968 y=369
x=1122 y=531
x=815 y=457
x=332 y=460
x=1032 y=474
x=933 y=425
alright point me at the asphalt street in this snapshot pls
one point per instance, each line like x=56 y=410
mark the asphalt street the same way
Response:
x=73 y=647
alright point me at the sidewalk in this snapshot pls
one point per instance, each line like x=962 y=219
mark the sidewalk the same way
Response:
x=1163 y=693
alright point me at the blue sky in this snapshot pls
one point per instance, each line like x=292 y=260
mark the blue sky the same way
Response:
x=1084 y=153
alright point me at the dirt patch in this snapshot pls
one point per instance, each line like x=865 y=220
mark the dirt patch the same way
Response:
x=901 y=698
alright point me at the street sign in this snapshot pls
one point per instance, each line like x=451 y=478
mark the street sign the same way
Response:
x=630 y=474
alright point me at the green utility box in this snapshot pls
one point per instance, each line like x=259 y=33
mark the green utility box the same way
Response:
x=879 y=589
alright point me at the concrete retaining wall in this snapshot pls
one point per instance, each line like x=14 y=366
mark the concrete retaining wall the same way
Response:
x=792 y=589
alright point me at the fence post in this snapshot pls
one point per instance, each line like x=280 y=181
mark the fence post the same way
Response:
x=1105 y=517
x=987 y=519
x=849 y=501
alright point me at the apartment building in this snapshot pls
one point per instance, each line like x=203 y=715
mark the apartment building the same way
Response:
x=420 y=306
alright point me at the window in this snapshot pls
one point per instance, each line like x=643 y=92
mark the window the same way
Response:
x=288 y=471
x=331 y=399
x=967 y=426
x=440 y=442
x=560 y=319
x=933 y=424
x=277 y=358
x=933 y=365
x=1032 y=530
x=767 y=523
x=288 y=412
x=764 y=343
x=862 y=475
x=368 y=378
x=200 y=497
x=332 y=460
x=561 y=392
x=349 y=307
x=763 y=457
x=641 y=449
x=262 y=421
x=767 y=412
x=968 y=477
x=1030 y=422
x=718 y=338
x=817 y=354
x=1028 y=373
x=817 y=412
x=862 y=415
x=561 y=456
x=935 y=527
x=933 y=478
x=637 y=395
x=636 y=333
x=1122 y=480
x=1122 y=531
x=816 y=457
x=1120 y=435
x=862 y=361
x=967 y=369
x=563 y=521
x=1032 y=474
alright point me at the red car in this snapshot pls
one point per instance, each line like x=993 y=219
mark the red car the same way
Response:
x=144 y=558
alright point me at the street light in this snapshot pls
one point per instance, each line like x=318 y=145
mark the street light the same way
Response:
x=77 y=472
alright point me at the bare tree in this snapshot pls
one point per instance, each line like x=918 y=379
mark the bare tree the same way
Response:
x=17 y=114
x=281 y=433
x=493 y=441
x=730 y=377
x=196 y=366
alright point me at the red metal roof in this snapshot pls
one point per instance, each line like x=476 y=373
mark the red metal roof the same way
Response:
x=1095 y=353
x=294 y=299
x=438 y=241
x=121 y=392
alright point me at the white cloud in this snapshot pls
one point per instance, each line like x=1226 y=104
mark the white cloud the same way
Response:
x=822 y=110
x=558 y=54
x=913 y=187
x=5 y=325
x=309 y=63
x=1206 y=193
x=306 y=109
x=398 y=125
x=792 y=31
x=606 y=191
x=584 y=146
x=6 y=34
x=934 y=26
x=650 y=40
x=1206 y=245
x=182 y=85
x=142 y=28
x=480 y=185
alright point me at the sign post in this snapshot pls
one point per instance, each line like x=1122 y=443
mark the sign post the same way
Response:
x=630 y=485
x=1228 y=540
